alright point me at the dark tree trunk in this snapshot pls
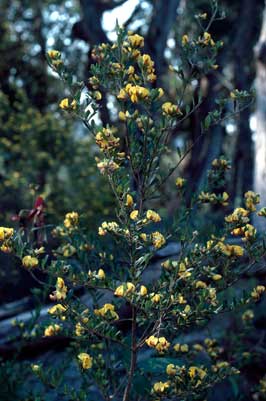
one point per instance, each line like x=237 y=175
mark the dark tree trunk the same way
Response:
x=210 y=145
x=163 y=19
x=249 y=24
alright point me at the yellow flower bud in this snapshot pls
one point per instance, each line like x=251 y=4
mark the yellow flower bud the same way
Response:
x=129 y=200
x=143 y=291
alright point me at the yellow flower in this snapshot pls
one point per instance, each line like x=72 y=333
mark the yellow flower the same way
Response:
x=39 y=251
x=158 y=239
x=251 y=199
x=136 y=40
x=195 y=370
x=262 y=212
x=134 y=215
x=85 y=360
x=198 y=347
x=181 y=300
x=160 y=343
x=257 y=292
x=160 y=387
x=152 y=341
x=107 y=309
x=217 y=277
x=60 y=291
x=203 y=16
x=167 y=265
x=170 y=109
x=71 y=220
x=110 y=226
x=97 y=95
x=207 y=39
x=153 y=216
x=249 y=232
x=122 y=116
x=52 y=330
x=64 y=104
x=101 y=274
x=182 y=270
x=171 y=369
x=230 y=250
x=160 y=93
x=143 y=236
x=136 y=93
x=248 y=315
x=238 y=215
x=6 y=233
x=130 y=70
x=225 y=198
x=30 y=261
x=106 y=139
x=129 y=200
x=185 y=40
x=122 y=95
x=181 y=348
x=143 y=291
x=101 y=231
x=68 y=250
x=200 y=284
x=124 y=289
x=35 y=368
x=184 y=348
x=180 y=182
x=56 y=309
x=54 y=54
x=5 y=248
x=155 y=298
x=73 y=104
x=79 y=329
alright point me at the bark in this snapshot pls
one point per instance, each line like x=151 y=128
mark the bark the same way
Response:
x=210 y=147
x=249 y=24
x=260 y=138
x=162 y=21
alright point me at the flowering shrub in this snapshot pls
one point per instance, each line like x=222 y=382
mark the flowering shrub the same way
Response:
x=127 y=313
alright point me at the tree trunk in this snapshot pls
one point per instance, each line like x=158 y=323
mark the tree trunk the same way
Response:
x=260 y=138
x=244 y=73
x=210 y=146
x=163 y=19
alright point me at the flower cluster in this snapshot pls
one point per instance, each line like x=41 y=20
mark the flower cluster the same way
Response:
x=107 y=311
x=6 y=235
x=159 y=343
x=30 y=262
x=61 y=290
x=71 y=220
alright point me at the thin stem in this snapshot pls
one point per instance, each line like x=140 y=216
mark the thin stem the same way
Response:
x=133 y=361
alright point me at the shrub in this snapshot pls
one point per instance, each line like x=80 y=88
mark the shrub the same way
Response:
x=128 y=313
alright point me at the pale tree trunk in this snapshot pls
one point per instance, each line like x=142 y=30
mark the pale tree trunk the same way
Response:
x=260 y=137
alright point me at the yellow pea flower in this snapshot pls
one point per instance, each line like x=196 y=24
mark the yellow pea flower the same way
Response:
x=64 y=104
x=30 y=261
x=134 y=215
x=85 y=360
x=129 y=200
